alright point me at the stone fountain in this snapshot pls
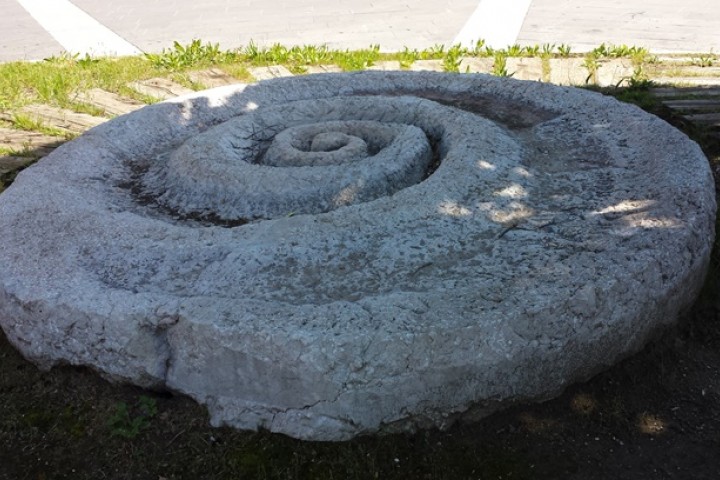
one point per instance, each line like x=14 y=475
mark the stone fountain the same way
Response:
x=334 y=255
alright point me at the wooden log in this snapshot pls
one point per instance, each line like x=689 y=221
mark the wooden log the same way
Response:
x=323 y=69
x=160 y=88
x=58 y=118
x=9 y=163
x=31 y=142
x=689 y=82
x=706 y=119
x=112 y=103
x=266 y=73
x=212 y=77
x=675 y=92
x=695 y=105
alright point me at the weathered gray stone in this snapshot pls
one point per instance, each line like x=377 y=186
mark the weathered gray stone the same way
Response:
x=560 y=230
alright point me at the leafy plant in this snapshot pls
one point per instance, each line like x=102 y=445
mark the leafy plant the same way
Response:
x=309 y=54
x=64 y=57
x=277 y=54
x=531 y=51
x=564 y=50
x=407 y=57
x=500 y=65
x=592 y=64
x=453 y=58
x=358 y=59
x=87 y=61
x=515 y=50
x=547 y=49
x=435 y=52
x=128 y=422
x=620 y=51
x=184 y=56
x=24 y=122
x=600 y=51
x=479 y=47
x=251 y=51
x=704 y=60
x=639 y=79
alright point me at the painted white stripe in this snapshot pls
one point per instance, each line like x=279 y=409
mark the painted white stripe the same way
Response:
x=498 y=22
x=75 y=30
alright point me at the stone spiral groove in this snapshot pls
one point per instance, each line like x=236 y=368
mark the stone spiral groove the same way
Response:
x=304 y=157
x=405 y=249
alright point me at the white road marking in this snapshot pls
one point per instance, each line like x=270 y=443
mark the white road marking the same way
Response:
x=498 y=22
x=75 y=30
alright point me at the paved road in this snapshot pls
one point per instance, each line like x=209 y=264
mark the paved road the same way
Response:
x=34 y=29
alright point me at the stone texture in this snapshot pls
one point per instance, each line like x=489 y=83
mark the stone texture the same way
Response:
x=615 y=72
x=525 y=68
x=476 y=65
x=568 y=71
x=385 y=66
x=427 y=66
x=554 y=233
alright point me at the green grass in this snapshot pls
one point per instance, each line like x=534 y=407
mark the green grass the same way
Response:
x=55 y=80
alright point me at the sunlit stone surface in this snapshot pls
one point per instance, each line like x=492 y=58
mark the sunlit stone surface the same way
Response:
x=327 y=256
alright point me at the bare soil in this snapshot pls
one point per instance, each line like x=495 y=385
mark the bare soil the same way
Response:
x=655 y=415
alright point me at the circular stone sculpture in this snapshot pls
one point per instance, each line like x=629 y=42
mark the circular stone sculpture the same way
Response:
x=334 y=255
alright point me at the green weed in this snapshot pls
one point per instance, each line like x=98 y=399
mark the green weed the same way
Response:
x=704 y=60
x=185 y=56
x=309 y=55
x=515 y=50
x=564 y=50
x=435 y=52
x=24 y=122
x=407 y=57
x=500 y=65
x=128 y=422
x=277 y=54
x=357 y=59
x=453 y=58
x=621 y=51
x=547 y=49
x=592 y=64
x=531 y=51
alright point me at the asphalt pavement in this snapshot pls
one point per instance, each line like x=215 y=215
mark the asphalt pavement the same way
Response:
x=35 y=29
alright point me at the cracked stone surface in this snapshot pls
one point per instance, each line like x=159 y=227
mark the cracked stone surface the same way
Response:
x=342 y=254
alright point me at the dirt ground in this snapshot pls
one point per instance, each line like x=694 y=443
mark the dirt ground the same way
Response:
x=656 y=415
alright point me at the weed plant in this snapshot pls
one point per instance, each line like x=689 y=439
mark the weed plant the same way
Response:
x=453 y=58
x=192 y=55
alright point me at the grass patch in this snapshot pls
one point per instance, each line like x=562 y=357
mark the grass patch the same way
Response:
x=54 y=81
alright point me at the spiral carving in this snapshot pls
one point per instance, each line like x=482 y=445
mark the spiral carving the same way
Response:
x=308 y=156
x=334 y=255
